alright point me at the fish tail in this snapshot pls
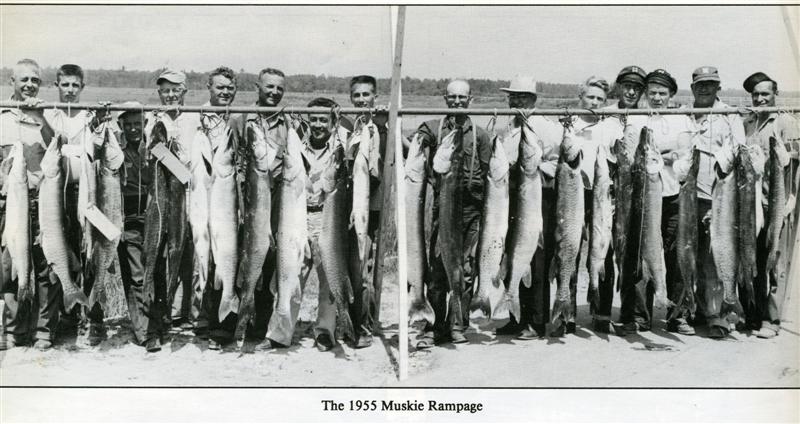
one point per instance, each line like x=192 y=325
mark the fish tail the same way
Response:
x=593 y=294
x=73 y=298
x=228 y=305
x=561 y=311
x=480 y=308
x=344 y=324
x=731 y=307
x=527 y=278
x=247 y=312
x=421 y=310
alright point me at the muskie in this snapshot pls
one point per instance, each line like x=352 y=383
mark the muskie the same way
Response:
x=416 y=187
x=360 y=212
x=749 y=207
x=724 y=237
x=686 y=238
x=491 y=247
x=450 y=240
x=527 y=226
x=257 y=234
x=199 y=207
x=644 y=255
x=569 y=225
x=333 y=245
x=155 y=221
x=600 y=231
x=223 y=226
x=17 y=231
x=775 y=210
x=87 y=194
x=177 y=222
x=622 y=204
x=292 y=239
x=105 y=261
x=51 y=223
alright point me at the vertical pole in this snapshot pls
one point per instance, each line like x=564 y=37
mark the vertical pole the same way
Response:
x=398 y=18
x=792 y=36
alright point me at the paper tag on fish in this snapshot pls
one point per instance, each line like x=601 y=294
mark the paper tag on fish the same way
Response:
x=102 y=223
x=72 y=150
x=171 y=162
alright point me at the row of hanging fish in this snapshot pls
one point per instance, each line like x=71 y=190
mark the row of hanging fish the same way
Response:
x=629 y=219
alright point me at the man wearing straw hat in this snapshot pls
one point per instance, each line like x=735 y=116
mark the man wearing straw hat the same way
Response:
x=534 y=300
x=759 y=128
x=477 y=149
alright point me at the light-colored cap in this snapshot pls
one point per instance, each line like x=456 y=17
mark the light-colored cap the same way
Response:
x=175 y=77
x=131 y=104
x=521 y=84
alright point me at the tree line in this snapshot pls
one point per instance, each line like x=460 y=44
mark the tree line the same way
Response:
x=307 y=83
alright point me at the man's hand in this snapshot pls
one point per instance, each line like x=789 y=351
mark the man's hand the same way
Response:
x=669 y=157
x=548 y=168
x=32 y=101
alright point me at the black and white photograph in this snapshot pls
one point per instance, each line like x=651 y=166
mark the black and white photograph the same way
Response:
x=399 y=212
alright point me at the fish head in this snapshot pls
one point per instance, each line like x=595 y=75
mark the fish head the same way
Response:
x=443 y=157
x=51 y=162
x=415 y=161
x=570 y=151
x=654 y=162
x=292 y=157
x=601 y=162
x=530 y=155
x=19 y=167
x=262 y=152
x=223 y=163
x=498 y=163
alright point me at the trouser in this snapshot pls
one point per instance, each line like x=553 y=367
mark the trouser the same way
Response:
x=187 y=295
x=637 y=298
x=439 y=287
x=770 y=287
x=132 y=272
x=35 y=318
x=670 y=220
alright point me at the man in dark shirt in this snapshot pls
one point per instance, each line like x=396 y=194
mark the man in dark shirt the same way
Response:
x=476 y=152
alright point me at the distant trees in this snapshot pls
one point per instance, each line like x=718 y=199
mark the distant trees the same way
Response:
x=307 y=83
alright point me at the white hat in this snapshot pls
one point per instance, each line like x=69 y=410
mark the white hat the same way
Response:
x=521 y=84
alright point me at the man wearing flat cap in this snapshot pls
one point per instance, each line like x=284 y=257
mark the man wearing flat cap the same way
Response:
x=717 y=137
x=534 y=300
x=672 y=137
x=759 y=127
x=629 y=86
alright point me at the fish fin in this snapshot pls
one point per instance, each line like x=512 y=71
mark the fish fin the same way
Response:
x=593 y=297
x=344 y=324
x=421 y=310
x=228 y=305
x=247 y=312
x=71 y=299
x=273 y=284
x=733 y=307
x=561 y=311
x=527 y=278
x=217 y=282
x=512 y=300
x=480 y=309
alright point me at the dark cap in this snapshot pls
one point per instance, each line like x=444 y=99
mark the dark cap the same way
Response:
x=705 y=73
x=175 y=77
x=662 y=77
x=632 y=74
x=753 y=80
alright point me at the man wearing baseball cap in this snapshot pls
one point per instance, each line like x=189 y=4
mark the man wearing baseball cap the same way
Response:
x=672 y=138
x=717 y=137
x=535 y=300
x=759 y=128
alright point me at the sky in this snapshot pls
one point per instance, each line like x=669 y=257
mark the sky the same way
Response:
x=563 y=44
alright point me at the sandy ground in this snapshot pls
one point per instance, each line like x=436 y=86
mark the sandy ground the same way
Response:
x=654 y=359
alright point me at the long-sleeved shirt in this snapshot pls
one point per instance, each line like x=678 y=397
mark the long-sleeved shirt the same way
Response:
x=318 y=161
x=786 y=129
x=476 y=151
x=276 y=131
x=671 y=134
x=591 y=136
x=182 y=128
x=77 y=130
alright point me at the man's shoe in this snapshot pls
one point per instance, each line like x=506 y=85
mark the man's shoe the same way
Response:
x=97 y=332
x=214 y=345
x=457 y=337
x=153 y=344
x=766 y=332
x=43 y=345
x=530 y=333
x=324 y=342
x=268 y=344
x=629 y=328
x=364 y=340
x=680 y=326
x=602 y=326
x=716 y=332
x=571 y=327
x=425 y=341
x=560 y=330
x=510 y=329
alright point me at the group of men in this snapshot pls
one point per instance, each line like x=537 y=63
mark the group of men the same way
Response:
x=715 y=136
x=195 y=305
x=194 y=308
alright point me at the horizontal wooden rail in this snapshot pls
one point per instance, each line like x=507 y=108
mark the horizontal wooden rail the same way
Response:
x=402 y=111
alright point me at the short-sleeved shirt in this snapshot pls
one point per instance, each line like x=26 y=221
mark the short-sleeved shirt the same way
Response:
x=377 y=129
x=318 y=161
x=77 y=130
x=18 y=127
x=786 y=129
x=477 y=150
x=275 y=129
x=592 y=136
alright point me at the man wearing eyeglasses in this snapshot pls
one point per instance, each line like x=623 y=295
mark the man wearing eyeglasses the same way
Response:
x=476 y=149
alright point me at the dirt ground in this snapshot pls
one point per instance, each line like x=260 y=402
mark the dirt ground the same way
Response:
x=654 y=359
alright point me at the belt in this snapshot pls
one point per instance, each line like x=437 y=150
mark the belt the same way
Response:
x=317 y=208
